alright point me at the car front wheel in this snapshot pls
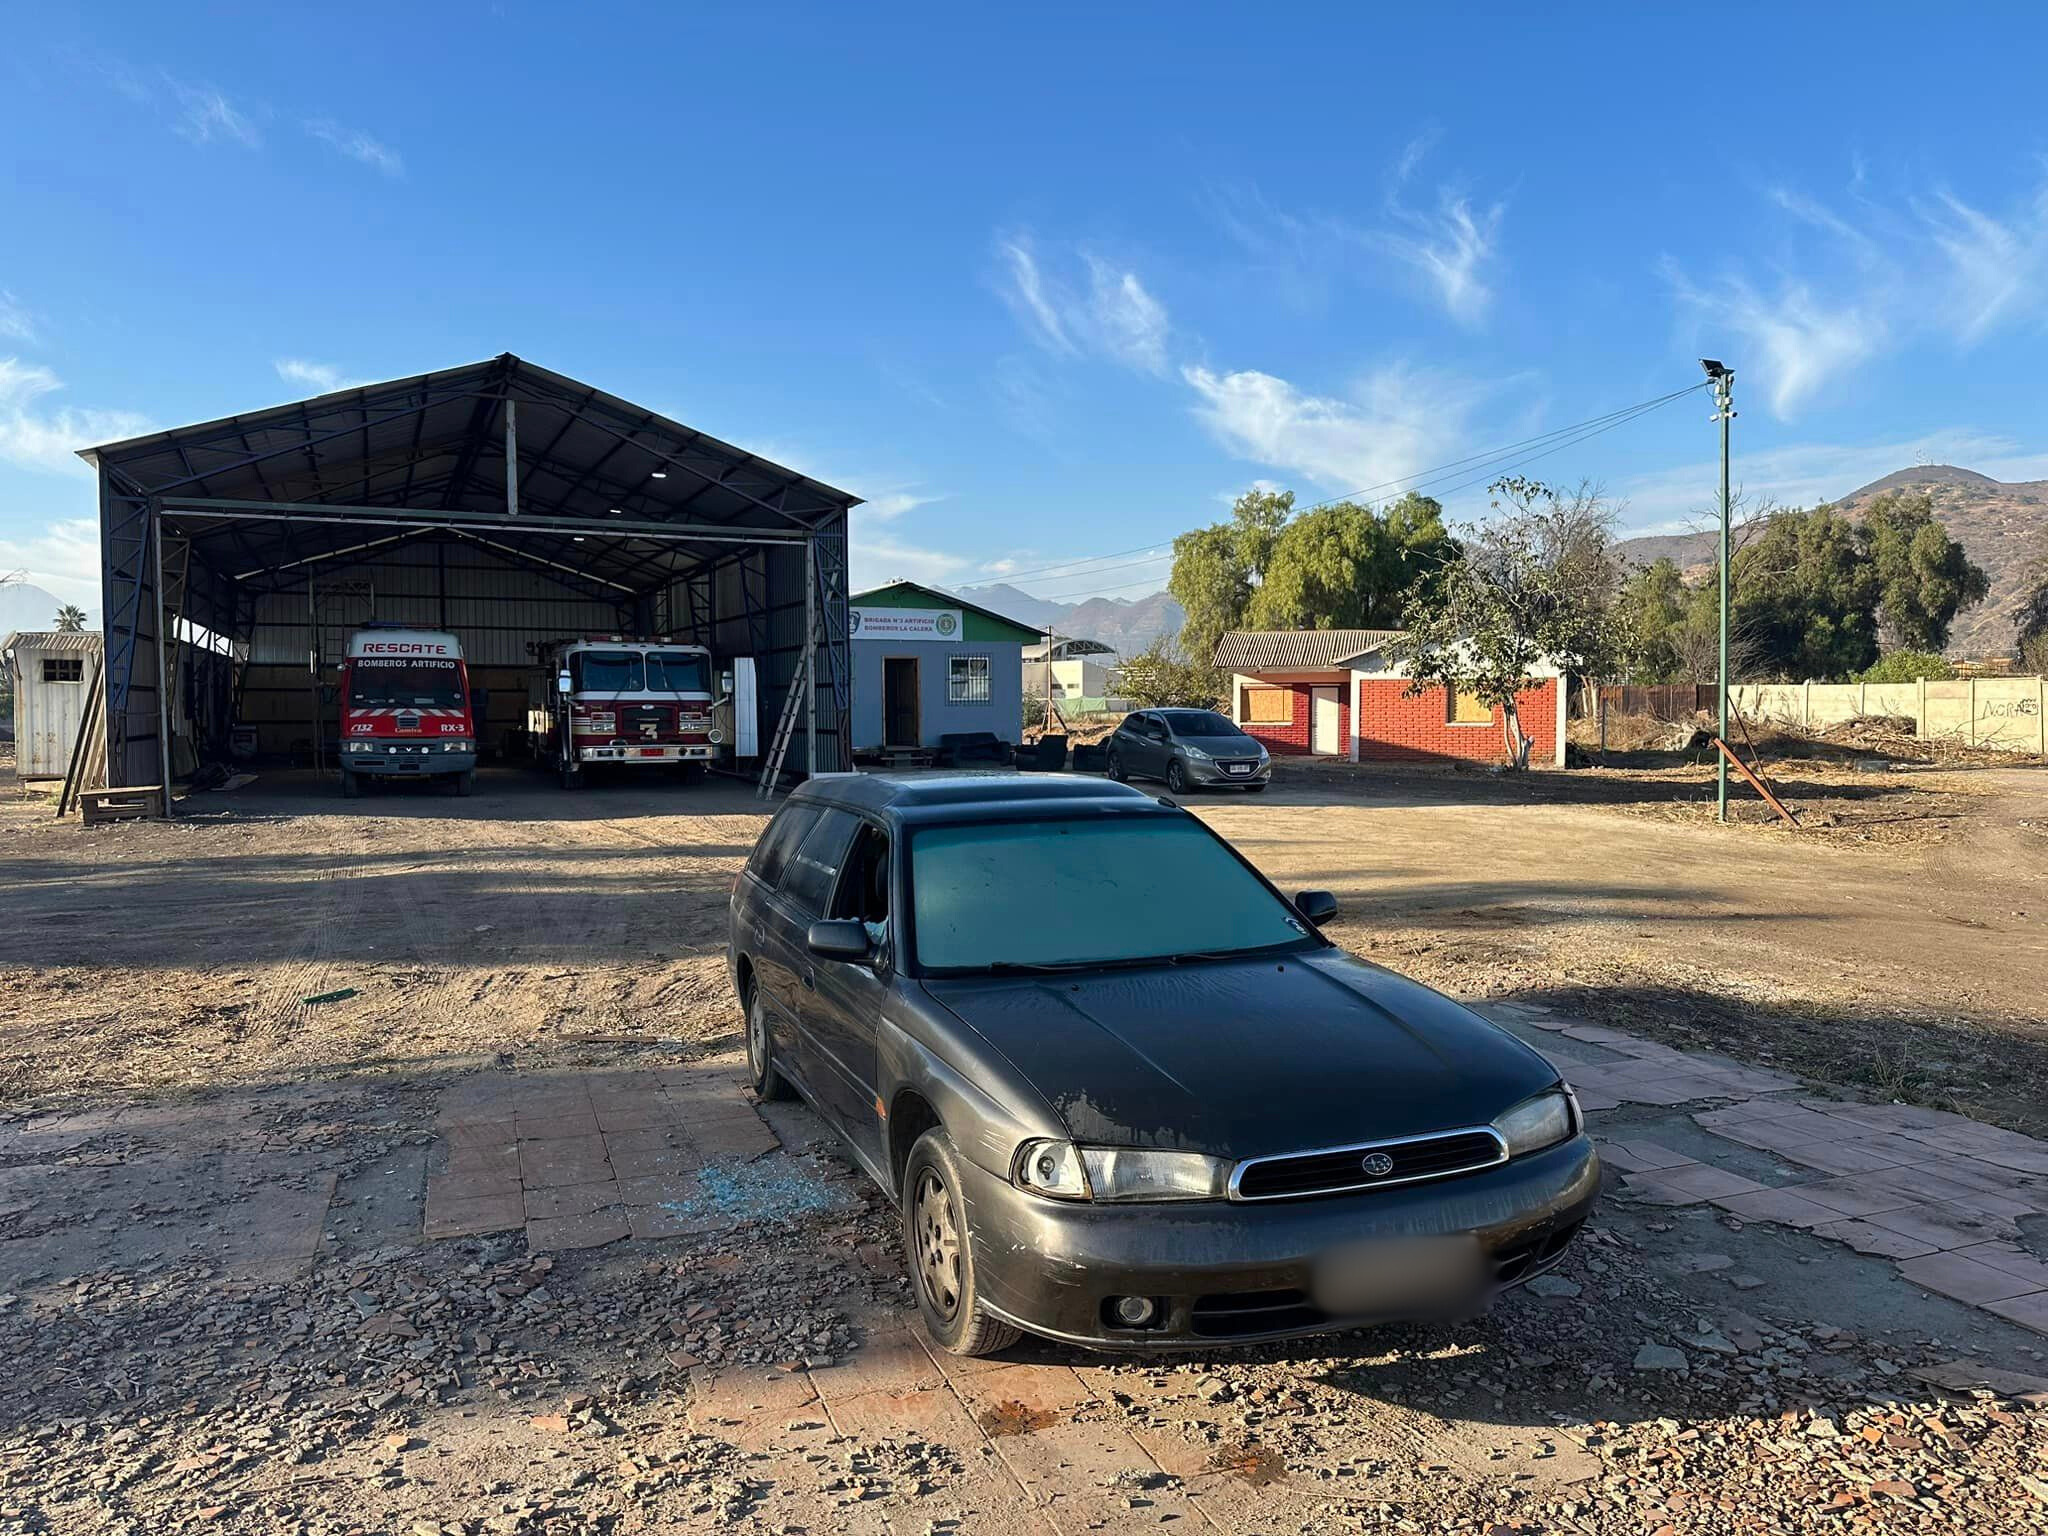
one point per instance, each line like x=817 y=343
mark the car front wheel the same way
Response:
x=1176 y=777
x=1116 y=767
x=937 y=1245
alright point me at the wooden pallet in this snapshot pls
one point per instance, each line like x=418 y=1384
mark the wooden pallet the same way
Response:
x=130 y=803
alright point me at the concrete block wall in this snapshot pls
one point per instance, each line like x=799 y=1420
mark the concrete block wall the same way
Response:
x=2005 y=712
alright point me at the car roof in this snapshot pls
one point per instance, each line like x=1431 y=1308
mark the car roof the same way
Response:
x=971 y=795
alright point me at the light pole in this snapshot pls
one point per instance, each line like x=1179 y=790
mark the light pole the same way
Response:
x=1723 y=381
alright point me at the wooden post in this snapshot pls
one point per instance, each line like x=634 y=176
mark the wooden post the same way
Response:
x=1920 y=719
x=1806 y=706
x=1972 y=736
x=1602 y=707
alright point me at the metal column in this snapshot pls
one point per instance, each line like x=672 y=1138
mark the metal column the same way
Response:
x=811 y=656
x=155 y=536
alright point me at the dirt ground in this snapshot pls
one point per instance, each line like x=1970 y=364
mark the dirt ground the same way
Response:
x=160 y=1059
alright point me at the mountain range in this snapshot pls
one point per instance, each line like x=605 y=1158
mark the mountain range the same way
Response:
x=2000 y=524
x=1125 y=625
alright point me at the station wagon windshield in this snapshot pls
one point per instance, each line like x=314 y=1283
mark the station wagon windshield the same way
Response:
x=1059 y=893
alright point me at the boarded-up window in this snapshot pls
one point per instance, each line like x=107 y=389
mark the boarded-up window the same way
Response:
x=1269 y=706
x=1469 y=709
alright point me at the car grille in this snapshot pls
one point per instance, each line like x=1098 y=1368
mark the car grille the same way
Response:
x=1238 y=765
x=1341 y=1169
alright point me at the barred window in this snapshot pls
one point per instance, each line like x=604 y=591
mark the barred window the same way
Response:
x=967 y=680
x=63 y=669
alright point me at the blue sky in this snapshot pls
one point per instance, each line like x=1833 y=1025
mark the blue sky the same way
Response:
x=1049 y=287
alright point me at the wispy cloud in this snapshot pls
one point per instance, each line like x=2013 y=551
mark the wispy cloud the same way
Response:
x=1396 y=422
x=357 y=146
x=1452 y=247
x=47 y=441
x=322 y=378
x=1877 y=277
x=15 y=320
x=206 y=116
x=1098 y=307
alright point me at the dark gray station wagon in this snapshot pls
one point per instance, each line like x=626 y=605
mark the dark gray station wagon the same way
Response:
x=1124 y=1091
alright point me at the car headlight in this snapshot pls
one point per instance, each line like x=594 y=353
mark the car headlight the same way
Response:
x=1197 y=754
x=1063 y=1171
x=1539 y=1122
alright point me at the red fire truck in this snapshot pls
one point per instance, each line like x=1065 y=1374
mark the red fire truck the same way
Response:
x=625 y=699
x=405 y=709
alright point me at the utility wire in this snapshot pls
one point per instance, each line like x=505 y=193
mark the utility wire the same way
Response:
x=1490 y=467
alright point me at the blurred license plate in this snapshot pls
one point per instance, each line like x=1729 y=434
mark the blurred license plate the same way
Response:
x=1240 y=767
x=1414 y=1276
x=651 y=751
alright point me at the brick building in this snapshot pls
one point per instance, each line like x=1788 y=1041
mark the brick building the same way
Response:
x=1339 y=693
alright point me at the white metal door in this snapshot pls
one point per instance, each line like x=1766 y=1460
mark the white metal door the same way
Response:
x=1326 y=739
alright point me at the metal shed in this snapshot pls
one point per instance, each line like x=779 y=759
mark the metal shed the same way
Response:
x=499 y=500
x=51 y=670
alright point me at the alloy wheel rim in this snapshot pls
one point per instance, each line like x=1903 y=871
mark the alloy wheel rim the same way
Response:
x=757 y=1040
x=936 y=1237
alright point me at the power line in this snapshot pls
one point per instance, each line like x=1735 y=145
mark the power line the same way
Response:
x=1490 y=465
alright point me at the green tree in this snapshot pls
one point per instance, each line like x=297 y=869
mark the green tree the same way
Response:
x=2030 y=613
x=1162 y=676
x=1924 y=577
x=1518 y=594
x=70 y=619
x=1216 y=569
x=1652 y=608
x=1907 y=667
x=1344 y=566
x=1805 y=596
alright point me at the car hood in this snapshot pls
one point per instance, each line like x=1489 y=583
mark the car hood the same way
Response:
x=1248 y=1058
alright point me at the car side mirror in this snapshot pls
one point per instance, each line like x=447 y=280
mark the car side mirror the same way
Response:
x=839 y=938
x=1316 y=906
x=561 y=682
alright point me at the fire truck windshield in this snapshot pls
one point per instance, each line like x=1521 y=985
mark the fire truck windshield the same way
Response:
x=678 y=672
x=380 y=681
x=606 y=671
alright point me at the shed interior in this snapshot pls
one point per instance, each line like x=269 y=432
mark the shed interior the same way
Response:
x=508 y=504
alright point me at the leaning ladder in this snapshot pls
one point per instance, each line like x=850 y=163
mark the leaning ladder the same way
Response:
x=785 y=728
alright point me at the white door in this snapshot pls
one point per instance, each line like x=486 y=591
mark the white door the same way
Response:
x=1325 y=740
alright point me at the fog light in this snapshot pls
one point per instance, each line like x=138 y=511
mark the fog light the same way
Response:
x=1135 y=1311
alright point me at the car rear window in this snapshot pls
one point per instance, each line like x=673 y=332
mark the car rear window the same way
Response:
x=772 y=852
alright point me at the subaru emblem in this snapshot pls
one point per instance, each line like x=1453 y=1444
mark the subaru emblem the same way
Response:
x=1377 y=1165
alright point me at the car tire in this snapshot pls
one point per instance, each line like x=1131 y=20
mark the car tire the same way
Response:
x=769 y=1083
x=938 y=1247
x=1115 y=765
x=351 y=784
x=465 y=782
x=1176 y=777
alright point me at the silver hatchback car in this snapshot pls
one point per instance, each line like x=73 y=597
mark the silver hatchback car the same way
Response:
x=1189 y=749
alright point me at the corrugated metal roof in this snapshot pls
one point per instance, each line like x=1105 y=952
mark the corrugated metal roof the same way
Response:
x=436 y=442
x=58 y=640
x=1295 y=650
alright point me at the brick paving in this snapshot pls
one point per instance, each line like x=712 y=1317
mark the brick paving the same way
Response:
x=1938 y=1194
x=582 y=1159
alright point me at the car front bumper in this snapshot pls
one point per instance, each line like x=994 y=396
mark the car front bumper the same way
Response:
x=1231 y=1272
x=1208 y=774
